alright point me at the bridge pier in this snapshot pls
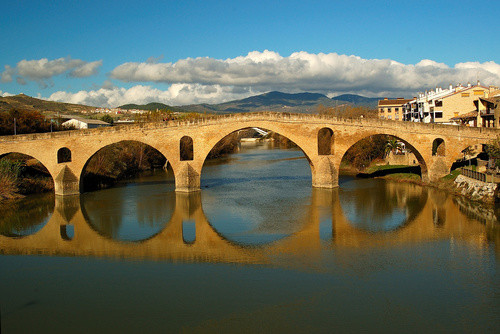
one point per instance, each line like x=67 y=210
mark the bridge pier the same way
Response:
x=438 y=167
x=66 y=182
x=324 y=172
x=187 y=178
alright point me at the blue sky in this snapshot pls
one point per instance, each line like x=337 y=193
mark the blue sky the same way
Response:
x=178 y=52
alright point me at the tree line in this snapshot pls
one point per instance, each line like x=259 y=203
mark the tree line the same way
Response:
x=20 y=121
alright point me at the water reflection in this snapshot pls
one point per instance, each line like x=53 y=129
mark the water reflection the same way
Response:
x=259 y=196
x=135 y=211
x=377 y=205
x=26 y=216
x=187 y=235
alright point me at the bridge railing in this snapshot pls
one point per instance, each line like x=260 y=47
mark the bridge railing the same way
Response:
x=265 y=115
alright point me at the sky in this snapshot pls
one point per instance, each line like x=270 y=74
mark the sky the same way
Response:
x=109 y=53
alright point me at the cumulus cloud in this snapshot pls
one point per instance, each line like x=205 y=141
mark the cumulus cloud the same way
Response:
x=7 y=74
x=4 y=94
x=177 y=94
x=303 y=71
x=41 y=70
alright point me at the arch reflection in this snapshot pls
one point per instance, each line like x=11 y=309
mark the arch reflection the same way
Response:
x=377 y=205
x=26 y=216
x=258 y=197
x=132 y=212
x=305 y=247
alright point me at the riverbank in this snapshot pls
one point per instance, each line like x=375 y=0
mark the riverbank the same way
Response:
x=21 y=176
x=454 y=183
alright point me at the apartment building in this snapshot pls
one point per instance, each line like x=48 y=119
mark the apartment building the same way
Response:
x=451 y=106
x=391 y=108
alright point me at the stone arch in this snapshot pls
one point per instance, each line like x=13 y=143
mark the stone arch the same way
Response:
x=63 y=155
x=438 y=147
x=222 y=134
x=29 y=161
x=110 y=144
x=409 y=147
x=325 y=141
x=186 y=149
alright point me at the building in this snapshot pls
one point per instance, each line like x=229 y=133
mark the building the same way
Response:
x=84 y=123
x=455 y=105
x=391 y=109
x=488 y=111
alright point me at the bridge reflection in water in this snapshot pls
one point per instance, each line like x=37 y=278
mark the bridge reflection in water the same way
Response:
x=435 y=216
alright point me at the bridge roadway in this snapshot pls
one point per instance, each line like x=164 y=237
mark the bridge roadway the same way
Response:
x=323 y=139
x=439 y=218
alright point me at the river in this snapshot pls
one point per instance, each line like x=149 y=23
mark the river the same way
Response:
x=257 y=250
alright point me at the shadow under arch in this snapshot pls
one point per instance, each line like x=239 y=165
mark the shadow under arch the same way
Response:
x=409 y=148
x=111 y=157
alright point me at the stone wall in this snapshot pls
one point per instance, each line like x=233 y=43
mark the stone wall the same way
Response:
x=477 y=190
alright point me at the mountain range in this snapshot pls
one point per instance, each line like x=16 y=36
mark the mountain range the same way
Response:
x=272 y=101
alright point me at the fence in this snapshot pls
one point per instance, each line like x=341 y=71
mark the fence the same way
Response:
x=491 y=178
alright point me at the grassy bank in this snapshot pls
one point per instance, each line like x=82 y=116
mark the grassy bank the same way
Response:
x=20 y=175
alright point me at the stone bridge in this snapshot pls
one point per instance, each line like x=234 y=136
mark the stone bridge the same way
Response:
x=323 y=139
x=439 y=218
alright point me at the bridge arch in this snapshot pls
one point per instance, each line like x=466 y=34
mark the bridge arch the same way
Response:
x=137 y=149
x=269 y=127
x=408 y=145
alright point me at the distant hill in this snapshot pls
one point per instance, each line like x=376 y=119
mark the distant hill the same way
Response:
x=151 y=106
x=358 y=100
x=272 y=101
x=26 y=102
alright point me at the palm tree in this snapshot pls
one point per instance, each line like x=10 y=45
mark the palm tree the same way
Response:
x=392 y=145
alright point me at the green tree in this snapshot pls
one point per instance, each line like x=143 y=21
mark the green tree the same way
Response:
x=107 y=118
x=493 y=150
x=392 y=145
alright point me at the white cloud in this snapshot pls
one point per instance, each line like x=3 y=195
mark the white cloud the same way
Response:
x=303 y=71
x=4 y=94
x=41 y=70
x=177 y=94
x=86 y=70
x=7 y=74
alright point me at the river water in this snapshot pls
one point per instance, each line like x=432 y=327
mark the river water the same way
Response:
x=257 y=250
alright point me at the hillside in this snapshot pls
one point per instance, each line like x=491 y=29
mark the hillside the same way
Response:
x=272 y=101
x=25 y=102
x=358 y=100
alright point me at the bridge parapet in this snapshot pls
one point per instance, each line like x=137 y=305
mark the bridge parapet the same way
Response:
x=266 y=116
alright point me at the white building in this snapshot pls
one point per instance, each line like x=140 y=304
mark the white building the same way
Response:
x=84 y=123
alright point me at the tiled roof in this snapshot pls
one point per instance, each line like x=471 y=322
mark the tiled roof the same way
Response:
x=393 y=102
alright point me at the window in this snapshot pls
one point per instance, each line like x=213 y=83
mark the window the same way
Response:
x=389 y=117
x=465 y=94
x=438 y=114
x=478 y=92
x=389 y=110
x=396 y=109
